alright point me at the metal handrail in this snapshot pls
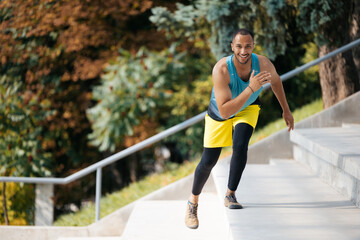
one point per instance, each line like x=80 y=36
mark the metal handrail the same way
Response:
x=302 y=68
x=139 y=146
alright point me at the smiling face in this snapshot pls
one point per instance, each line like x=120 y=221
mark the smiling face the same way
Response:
x=242 y=46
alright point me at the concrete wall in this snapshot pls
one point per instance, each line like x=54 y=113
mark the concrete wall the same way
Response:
x=278 y=145
x=40 y=233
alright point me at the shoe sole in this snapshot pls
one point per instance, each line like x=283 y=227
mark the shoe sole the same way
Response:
x=235 y=207
x=193 y=227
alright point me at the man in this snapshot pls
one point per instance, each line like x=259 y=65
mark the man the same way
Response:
x=232 y=115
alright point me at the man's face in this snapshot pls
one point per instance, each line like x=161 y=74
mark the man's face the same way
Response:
x=242 y=46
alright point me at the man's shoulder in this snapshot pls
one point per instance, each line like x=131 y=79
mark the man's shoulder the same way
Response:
x=221 y=62
x=221 y=66
x=261 y=57
x=264 y=62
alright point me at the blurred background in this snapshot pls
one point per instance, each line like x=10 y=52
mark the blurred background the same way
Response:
x=81 y=80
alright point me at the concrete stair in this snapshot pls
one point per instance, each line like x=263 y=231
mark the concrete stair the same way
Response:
x=90 y=238
x=333 y=154
x=164 y=219
x=284 y=200
x=292 y=200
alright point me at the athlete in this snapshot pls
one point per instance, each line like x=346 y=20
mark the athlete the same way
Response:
x=232 y=115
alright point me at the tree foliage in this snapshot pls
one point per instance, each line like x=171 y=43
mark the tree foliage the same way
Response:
x=321 y=17
x=53 y=52
x=222 y=18
x=22 y=139
x=274 y=22
x=134 y=90
x=58 y=49
x=280 y=26
x=337 y=23
x=155 y=89
x=276 y=36
x=20 y=201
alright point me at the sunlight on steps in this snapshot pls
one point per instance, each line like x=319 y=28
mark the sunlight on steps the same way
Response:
x=284 y=200
x=162 y=220
x=90 y=238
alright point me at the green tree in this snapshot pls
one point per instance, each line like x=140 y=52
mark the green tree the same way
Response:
x=56 y=51
x=18 y=206
x=134 y=89
x=21 y=136
x=159 y=89
x=278 y=26
x=222 y=18
x=276 y=36
x=337 y=23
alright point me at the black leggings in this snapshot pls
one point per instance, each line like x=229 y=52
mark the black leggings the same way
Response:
x=241 y=137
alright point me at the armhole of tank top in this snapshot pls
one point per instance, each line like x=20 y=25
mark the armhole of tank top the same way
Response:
x=230 y=67
x=256 y=62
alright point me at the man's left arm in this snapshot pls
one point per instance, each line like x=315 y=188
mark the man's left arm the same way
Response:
x=277 y=88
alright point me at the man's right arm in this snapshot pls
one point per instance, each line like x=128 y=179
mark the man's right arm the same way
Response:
x=221 y=79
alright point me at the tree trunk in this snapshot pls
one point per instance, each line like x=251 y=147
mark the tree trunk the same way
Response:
x=355 y=33
x=5 y=206
x=133 y=167
x=339 y=76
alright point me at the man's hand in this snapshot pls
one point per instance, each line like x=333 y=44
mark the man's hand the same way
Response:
x=289 y=120
x=257 y=81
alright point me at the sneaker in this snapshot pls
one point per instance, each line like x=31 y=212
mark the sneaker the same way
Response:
x=231 y=202
x=191 y=219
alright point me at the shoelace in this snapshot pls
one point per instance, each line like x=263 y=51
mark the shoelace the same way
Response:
x=231 y=198
x=193 y=210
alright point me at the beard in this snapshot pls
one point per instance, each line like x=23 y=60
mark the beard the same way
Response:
x=247 y=60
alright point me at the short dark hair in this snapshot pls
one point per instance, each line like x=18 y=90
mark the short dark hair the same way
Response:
x=243 y=31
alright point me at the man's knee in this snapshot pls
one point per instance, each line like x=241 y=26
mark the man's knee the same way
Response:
x=209 y=158
x=240 y=146
x=208 y=165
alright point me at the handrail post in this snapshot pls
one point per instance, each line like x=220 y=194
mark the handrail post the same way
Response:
x=98 y=193
x=44 y=204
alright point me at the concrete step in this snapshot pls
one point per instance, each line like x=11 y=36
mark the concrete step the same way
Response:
x=164 y=220
x=285 y=200
x=334 y=155
x=351 y=125
x=90 y=238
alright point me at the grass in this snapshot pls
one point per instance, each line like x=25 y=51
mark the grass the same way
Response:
x=112 y=202
x=298 y=114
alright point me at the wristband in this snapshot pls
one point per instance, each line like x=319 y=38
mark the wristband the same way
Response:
x=251 y=89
